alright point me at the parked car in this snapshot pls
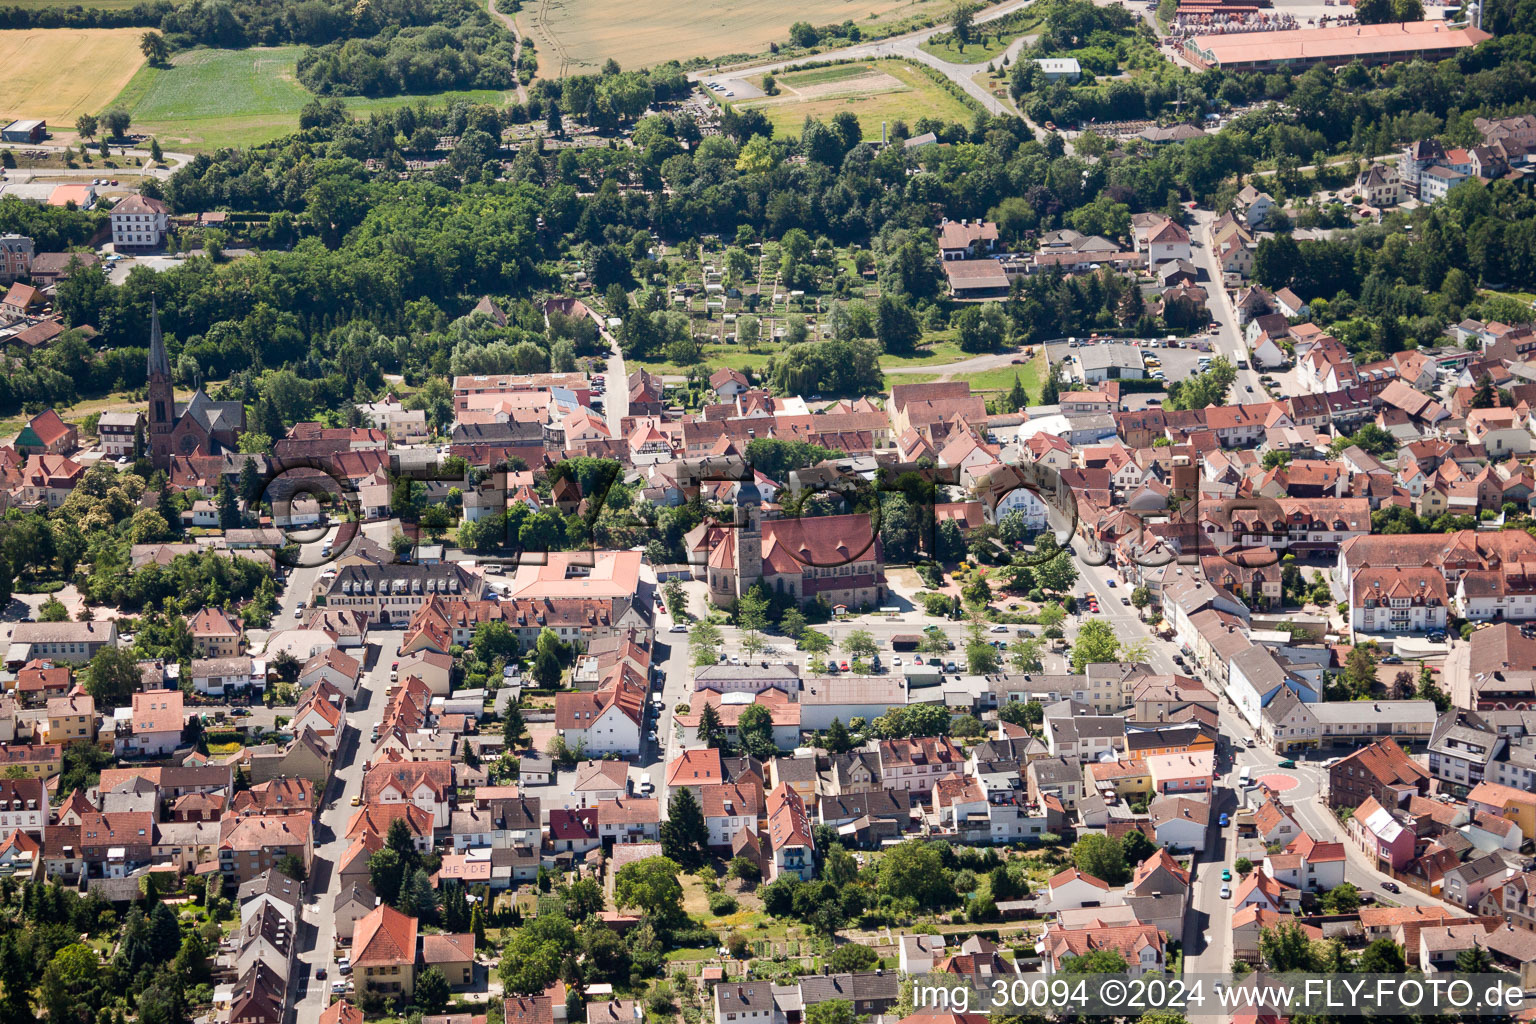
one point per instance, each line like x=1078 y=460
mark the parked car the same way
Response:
x=844 y=667
x=1390 y=887
x=999 y=628
x=1226 y=874
x=678 y=627
x=1226 y=892
x=1391 y=659
x=1224 y=820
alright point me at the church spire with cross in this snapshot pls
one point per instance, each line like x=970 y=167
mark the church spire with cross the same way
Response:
x=159 y=362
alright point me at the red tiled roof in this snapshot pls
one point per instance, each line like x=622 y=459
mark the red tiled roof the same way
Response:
x=384 y=937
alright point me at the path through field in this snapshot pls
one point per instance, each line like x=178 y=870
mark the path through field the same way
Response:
x=517 y=54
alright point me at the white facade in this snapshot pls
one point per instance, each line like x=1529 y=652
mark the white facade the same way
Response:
x=611 y=732
x=139 y=223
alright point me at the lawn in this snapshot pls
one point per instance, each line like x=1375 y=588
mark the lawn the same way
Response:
x=1001 y=379
x=988 y=48
x=57 y=74
x=212 y=98
x=938 y=350
x=575 y=37
x=878 y=92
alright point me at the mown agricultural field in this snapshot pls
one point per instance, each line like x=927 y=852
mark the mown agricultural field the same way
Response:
x=211 y=98
x=577 y=36
x=876 y=91
x=60 y=73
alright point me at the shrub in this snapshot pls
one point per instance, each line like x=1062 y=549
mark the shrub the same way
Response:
x=721 y=903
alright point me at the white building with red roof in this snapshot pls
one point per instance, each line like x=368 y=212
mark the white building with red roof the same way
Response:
x=789 y=836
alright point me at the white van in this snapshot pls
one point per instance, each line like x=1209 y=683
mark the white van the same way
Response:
x=1245 y=777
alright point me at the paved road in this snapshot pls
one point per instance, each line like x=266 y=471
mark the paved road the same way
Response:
x=318 y=939
x=616 y=381
x=1228 y=340
x=905 y=46
x=173 y=161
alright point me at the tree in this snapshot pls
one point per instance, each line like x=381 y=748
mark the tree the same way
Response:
x=851 y=956
x=752 y=618
x=684 y=836
x=1360 y=671
x=1286 y=947
x=704 y=640
x=754 y=729
x=1096 y=642
x=512 y=727
x=896 y=326
x=1383 y=956
x=1056 y=575
x=1100 y=961
x=1024 y=654
x=711 y=732
x=914 y=869
x=837 y=740
x=1020 y=712
x=830 y=1011
x=292 y=865
x=651 y=886
x=418 y=898
x=85 y=126
x=52 y=610
x=431 y=992
x=961 y=22
x=1101 y=856
x=112 y=677
x=533 y=957
x=154 y=48
x=792 y=623
x=980 y=657
x=1429 y=689
x=1242 y=866
x=1140 y=598
x=1345 y=899
x=117 y=121
x=581 y=899
x=385 y=875
x=1475 y=960
x=860 y=644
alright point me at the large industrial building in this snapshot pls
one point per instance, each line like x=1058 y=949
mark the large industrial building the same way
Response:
x=1336 y=45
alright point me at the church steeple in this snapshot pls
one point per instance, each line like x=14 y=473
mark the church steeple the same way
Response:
x=159 y=362
x=162 y=397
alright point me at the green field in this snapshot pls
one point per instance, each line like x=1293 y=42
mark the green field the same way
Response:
x=877 y=92
x=212 y=98
x=986 y=48
x=1001 y=379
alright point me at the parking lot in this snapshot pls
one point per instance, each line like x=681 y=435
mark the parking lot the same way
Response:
x=1175 y=363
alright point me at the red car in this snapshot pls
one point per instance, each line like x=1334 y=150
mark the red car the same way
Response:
x=844 y=667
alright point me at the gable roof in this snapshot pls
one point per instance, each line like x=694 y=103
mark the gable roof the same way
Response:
x=384 y=937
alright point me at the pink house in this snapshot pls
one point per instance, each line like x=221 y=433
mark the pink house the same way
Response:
x=1381 y=835
x=1176 y=774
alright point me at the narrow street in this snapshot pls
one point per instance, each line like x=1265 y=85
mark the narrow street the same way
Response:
x=1229 y=340
x=317 y=939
